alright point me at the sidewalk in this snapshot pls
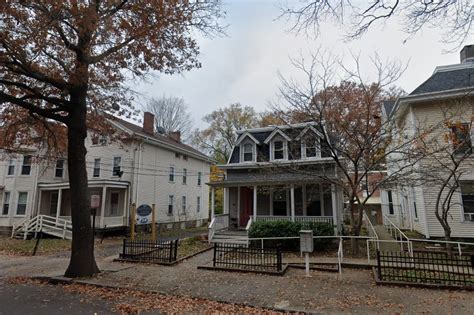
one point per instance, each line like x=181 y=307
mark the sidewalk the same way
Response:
x=384 y=235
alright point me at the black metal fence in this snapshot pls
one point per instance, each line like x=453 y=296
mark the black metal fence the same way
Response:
x=426 y=268
x=150 y=251
x=236 y=256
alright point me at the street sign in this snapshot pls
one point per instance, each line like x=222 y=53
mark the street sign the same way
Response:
x=95 y=201
x=306 y=241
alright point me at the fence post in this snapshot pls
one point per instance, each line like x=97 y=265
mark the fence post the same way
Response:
x=279 y=265
x=459 y=250
x=214 y=258
x=379 y=266
x=123 y=248
x=176 y=250
x=171 y=251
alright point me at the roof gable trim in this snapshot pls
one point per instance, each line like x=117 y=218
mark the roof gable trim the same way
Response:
x=274 y=133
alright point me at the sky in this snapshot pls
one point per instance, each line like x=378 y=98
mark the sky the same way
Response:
x=243 y=66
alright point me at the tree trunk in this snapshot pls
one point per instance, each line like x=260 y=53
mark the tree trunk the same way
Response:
x=355 y=227
x=82 y=262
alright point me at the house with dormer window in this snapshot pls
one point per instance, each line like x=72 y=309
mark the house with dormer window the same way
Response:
x=278 y=173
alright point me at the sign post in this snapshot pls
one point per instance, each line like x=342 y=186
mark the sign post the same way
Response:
x=132 y=223
x=153 y=223
x=306 y=246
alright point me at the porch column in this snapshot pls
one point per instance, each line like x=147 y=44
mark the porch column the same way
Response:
x=102 y=210
x=254 y=203
x=238 y=206
x=334 y=207
x=58 y=207
x=292 y=200
x=125 y=208
x=213 y=201
x=38 y=210
x=225 y=199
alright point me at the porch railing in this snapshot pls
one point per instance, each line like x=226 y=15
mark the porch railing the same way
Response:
x=218 y=222
x=301 y=219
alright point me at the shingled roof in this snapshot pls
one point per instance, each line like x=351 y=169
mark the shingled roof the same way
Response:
x=161 y=138
x=446 y=80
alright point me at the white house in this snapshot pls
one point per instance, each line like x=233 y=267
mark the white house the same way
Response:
x=143 y=168
x=448 y=89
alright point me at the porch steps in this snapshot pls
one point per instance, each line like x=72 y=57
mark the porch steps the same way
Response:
x=230 y=237
x=42 y=223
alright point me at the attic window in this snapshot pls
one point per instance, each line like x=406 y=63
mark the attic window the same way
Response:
x=278 y=150
x=462 y=141
x=248 y=152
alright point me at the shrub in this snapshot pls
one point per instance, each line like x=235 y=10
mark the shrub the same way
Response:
x=285 y=228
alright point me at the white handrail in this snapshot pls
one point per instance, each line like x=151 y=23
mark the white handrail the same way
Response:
x=212 y=229
x=340 y=256
x=371 y=229
x=249 y=224
x=394 y=230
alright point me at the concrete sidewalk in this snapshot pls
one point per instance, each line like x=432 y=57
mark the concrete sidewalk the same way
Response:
x=383 y=234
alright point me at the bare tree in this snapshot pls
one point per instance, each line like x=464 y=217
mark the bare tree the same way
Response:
x=353 y=133
x=455 y=16
x=171 y=114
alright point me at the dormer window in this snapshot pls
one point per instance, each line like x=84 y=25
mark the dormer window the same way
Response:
x=278 y=150
x=311 y=149
x=248 y=152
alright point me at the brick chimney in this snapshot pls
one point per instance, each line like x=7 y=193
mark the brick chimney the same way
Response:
x=149 y=123
x=175 y=135
x=467 y=53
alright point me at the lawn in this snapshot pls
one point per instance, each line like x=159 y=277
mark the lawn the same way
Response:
x=190 y=246
x=46 y=246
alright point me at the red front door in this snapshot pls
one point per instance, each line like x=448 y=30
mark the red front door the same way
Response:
x=246 y=205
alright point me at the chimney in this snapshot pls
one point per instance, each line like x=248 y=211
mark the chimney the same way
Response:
x=175 y=135
x=149 y=123
x=467 y=53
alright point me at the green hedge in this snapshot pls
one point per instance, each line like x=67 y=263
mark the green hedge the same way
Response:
x=285 y=228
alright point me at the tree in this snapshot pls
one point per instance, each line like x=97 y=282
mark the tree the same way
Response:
x=455 y=16
x=171 y=114
x=69 y=61
x=353 y=133
x=219 y=138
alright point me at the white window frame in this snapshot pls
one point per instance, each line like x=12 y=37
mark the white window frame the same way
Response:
x=183 y=204
x=285 y=150
x=172 y=174
x=242 y=152
x=96 y=167
x=170 y=204
x=56 y=169
x=118 y=165
x=118 y=204
x=185 y=176
x=317 y=145
x=26 y=165
x=6 y=201
x=11 y=165
x=463 y=214
x=18 y=204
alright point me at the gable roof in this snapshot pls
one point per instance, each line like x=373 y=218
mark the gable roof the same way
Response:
x=245 y=135
x=305 y=130
x=274 y=133
x=165 y=141
x=388 y=107
x=447 y=78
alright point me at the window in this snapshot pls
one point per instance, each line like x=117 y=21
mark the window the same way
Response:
x=467 y=196
x=117 y=165
x=59 y=168
x=53 y=203
x=185 y=157
x=311 y=149
x=177 y=155
x=278 y=150
x=199 y=178
x=21 y=206
x=96 y=172
x=390 y=202
x=185 y=175
x=26 y=167
x=248 y=152
x=415 y=210
x=462 y=141
x=171 y=176
x=114 y=203
x=6 y=203
x=170 y=204
x=198 y=205
x=11 y=167
x=183 y=204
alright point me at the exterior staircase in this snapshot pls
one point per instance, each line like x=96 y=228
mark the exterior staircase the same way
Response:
x=230 y=237
x=43 y=223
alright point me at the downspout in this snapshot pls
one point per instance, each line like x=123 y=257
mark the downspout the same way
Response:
x=140 y=147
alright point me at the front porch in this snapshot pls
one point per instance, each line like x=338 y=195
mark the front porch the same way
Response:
x=54 y=200
x=243 y=205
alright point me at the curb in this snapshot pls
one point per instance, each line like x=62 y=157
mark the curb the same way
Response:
x=65 y=280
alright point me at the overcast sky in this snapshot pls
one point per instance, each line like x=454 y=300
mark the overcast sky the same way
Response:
x=243 y=66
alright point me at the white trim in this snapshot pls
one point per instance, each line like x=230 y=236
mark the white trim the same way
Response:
x=273 y=134
x=272 y=151
x=310 y=127
x=244 y=136
x=270 y=128
x=254 y=153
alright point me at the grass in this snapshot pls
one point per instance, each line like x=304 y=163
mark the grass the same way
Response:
x=190 y=246
x=46 y=246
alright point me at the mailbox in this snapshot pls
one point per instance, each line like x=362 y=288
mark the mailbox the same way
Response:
x=306 y=241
